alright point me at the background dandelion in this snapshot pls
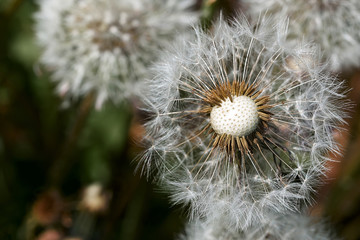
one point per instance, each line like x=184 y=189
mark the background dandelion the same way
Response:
x=106 y=46
x=333 y=24
x=289 y=227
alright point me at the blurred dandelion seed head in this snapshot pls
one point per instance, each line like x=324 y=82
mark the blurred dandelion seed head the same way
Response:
x=274 y=226
x=109 y=34
x=333 y=24
x=106 y=46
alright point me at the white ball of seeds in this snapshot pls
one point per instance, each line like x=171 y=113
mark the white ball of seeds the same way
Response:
x=236 y=118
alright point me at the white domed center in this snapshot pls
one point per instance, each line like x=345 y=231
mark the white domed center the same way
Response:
x=237 y=118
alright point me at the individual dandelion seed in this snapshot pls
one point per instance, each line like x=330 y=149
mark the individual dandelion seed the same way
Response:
x=106 y=46
x=333 y=24
x=241 y=123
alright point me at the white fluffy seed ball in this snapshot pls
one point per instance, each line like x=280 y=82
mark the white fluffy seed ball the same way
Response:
x=237 y=118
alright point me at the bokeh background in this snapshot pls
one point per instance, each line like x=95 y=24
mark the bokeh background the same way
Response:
x=69 y=172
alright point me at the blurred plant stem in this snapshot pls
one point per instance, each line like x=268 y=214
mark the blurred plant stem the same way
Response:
x=63 y=162
x=13 y=7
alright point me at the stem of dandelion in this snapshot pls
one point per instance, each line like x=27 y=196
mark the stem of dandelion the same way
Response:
x=63 y=161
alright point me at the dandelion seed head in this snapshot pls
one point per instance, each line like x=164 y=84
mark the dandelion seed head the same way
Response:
x=267 y=158
x=333 y=24
x=106 y=46
x=280 y=227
